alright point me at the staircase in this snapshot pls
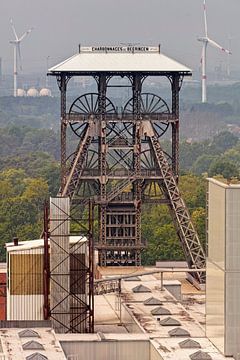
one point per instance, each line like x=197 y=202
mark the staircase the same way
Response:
x=188 y=236
x=76 y=167
x=117 y=190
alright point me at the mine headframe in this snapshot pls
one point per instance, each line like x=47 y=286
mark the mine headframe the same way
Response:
x=119 y=161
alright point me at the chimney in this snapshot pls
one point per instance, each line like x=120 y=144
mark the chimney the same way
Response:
x=15 y=241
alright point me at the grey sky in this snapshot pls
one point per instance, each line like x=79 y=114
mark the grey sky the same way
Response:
x=59 y=25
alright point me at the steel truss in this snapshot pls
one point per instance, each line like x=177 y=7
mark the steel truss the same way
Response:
x=68 y=272
x=119 y=163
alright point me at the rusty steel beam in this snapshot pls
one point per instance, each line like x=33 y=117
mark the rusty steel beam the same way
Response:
x=128 y=166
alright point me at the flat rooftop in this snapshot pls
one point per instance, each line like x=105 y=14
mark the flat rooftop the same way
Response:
x=137 y=319
x=15 y=346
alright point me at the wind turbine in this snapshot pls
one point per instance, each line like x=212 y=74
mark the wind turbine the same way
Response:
x=206 y=40
x=17 y=54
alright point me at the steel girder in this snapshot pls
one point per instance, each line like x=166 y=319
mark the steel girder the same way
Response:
x=129 y=161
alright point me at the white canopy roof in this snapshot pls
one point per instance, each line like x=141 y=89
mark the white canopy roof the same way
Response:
x=99 y=60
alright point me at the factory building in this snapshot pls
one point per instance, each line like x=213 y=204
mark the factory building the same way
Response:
x=25 y=290
x=223 y=267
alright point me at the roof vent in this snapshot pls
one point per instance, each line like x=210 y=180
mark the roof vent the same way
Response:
x=32 y=345
x=141 y=289
x=169 y=321
x=200 y=355
x=36 y=356
x=178 y=332
x=28 y=333
x=152 y=301
x=160 y=311
x=189 y=344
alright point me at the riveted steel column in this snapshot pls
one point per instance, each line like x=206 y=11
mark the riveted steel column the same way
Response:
x=63 y=90
x=175 y=125
x=137 y=87
x=102 y=87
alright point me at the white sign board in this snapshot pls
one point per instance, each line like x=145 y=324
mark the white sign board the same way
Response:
x=120 y=49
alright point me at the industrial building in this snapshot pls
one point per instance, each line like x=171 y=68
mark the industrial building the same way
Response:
x=223 y=267
x=80 y=290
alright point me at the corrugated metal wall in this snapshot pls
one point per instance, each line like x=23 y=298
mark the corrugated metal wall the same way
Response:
x=25 y=285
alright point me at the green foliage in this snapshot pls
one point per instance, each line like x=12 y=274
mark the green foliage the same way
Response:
x=158 y=228
x=223 y=167
x=21 y=206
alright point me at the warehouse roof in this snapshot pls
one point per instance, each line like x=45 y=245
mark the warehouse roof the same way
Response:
x=39 y=243
x=119 y=59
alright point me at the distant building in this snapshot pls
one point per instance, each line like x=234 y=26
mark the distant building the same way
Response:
x=223 y=267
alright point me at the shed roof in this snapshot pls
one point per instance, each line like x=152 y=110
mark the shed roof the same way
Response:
x=39 y=243
x=98 y=59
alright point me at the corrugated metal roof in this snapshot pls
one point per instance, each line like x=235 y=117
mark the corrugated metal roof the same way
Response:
x=86 y=62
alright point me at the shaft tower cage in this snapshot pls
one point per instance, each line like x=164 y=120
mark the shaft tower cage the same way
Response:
x=119 y=163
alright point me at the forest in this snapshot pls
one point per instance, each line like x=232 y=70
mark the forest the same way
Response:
x=30 y=168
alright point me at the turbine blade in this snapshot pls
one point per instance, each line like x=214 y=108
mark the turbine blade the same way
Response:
x=13 y=29
x=205 y=17
x=216 y=45
x=19 y=56
x=25 y=34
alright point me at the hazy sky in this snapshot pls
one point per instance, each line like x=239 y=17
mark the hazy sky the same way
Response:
x=60 y=25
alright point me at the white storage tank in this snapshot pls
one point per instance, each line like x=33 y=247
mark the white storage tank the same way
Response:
x=32 y=92
x=21 y=92
x=45 y=92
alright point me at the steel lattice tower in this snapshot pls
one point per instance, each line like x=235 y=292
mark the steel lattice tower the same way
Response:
x=119 y=162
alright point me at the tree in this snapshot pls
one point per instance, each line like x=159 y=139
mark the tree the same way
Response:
x=223 y=141
x=199 y=221
x=21 y=205
x=202 y=164
x=223 y=167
